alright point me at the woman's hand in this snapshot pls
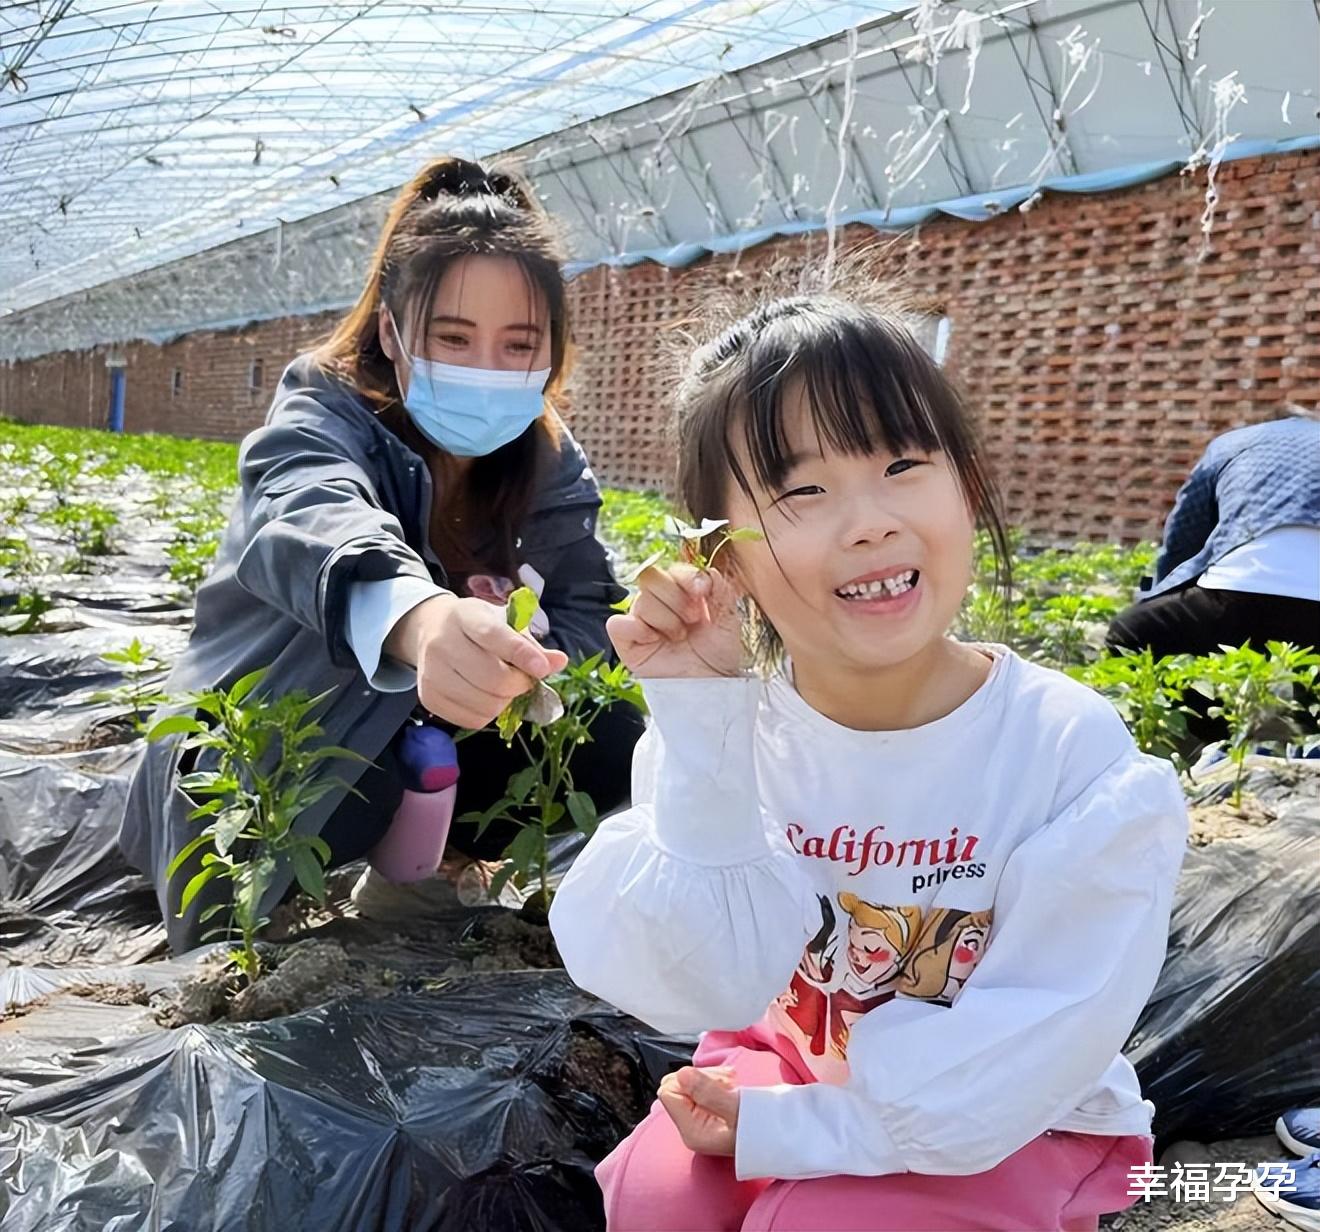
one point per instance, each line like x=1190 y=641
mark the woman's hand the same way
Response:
x=470 y=664
x=684 y=622
x=703 y=1104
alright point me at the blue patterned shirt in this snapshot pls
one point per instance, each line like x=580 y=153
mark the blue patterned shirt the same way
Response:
x=1248 y=481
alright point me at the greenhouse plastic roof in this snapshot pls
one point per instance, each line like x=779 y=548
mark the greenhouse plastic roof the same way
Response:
x=965 y=108
x=136 y=133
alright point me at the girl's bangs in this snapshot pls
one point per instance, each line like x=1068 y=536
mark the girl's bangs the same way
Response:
x=867 y=389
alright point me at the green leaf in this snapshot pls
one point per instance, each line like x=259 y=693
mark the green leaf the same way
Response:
x=654 y=559
x=184 y=853
x=511 y=717
x=209 y=783
x=337 y=753
x=241 y=688
x=209 y=809
x=525 y=849
x=521 y=784
x=175 y=725
x=583 y=809
x=522 y=606
x=322 y=849
x=553 y=813
x=676 y=526
x=496 y=812
x=307 y=868
x=190 y=891
x=744 y=534
x=228 y=826
x=500 y=880
x=253 y=887
x=213 y=910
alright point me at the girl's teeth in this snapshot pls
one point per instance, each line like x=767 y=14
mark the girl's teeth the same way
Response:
x=886 y=588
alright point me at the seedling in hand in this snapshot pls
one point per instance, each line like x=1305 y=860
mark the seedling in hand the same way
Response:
x=687 y=541
x=540 y=704
x=538 y=795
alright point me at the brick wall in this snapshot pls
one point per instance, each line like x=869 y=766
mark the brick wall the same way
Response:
x=212 y=396
x=1100 y=347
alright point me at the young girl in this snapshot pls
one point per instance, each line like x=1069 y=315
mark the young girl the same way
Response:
x=915 y=892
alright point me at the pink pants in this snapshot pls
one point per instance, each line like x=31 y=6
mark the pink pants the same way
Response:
x=1060 y=1181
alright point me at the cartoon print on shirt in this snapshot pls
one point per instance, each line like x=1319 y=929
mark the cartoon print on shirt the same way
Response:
x=945 y=954
x=829 y=992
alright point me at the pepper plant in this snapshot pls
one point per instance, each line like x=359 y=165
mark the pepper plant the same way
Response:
x=26 y=603
x=1256 y=694
x=1148 y=694
x=985 y=614
x=550 y=725
x=136 y=694
x=633 y=522
x=268 y=770
x=88 y=526
x=1065 y=629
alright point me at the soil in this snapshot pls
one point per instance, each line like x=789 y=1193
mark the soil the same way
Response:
x=591 y=1066
x=1243 y=1213
x=297 y=977
x=1212 y=822
x=13 y=1013
x=131 y=993
x=1271 y=784
x=328 y=953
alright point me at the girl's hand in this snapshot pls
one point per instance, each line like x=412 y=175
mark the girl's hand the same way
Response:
x=703 y=1104
x=470 y=664
x=684 y=622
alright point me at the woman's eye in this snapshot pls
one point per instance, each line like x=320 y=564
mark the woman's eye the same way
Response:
x=451 y=339
x=900 y=465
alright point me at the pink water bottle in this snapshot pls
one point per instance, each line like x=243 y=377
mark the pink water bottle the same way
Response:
x=411 y=849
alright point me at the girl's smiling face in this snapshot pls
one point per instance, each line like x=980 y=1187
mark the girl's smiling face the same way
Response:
x=866 y=556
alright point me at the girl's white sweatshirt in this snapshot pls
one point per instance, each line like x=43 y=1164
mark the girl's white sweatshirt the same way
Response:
x=955 y=926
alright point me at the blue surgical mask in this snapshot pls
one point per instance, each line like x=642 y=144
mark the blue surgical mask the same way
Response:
x=471 y=412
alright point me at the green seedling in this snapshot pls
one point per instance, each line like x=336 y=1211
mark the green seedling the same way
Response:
x=540 y=795
x=540 y=704
x=1084 y=567
x=1148 y=694
x=685 y=544
x=59 y=472
x=21 y=566
x=15 y=508
x=136 y=694
x=1256 y=694
x=88 y=527
x=269 y=769
x=196 y=540
x=985 y=614
x=633 y=523
x=1065 y=629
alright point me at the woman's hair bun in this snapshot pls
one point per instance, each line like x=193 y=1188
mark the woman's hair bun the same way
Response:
x=459 y=177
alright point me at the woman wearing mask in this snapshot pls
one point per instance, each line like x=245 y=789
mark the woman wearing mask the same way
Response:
x=412 y=471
